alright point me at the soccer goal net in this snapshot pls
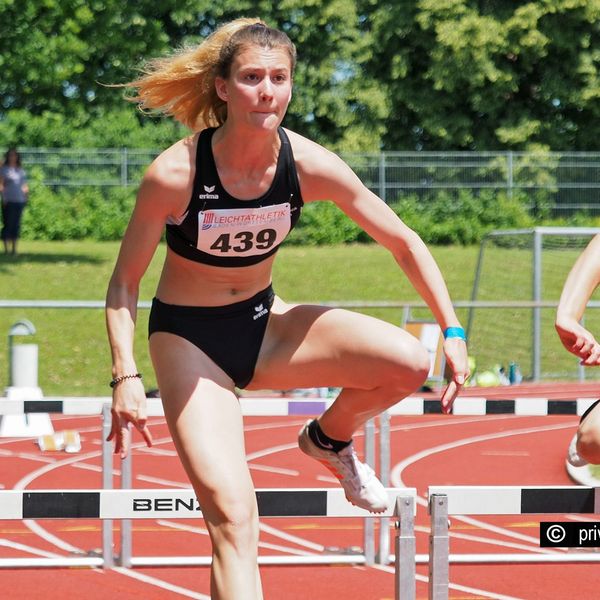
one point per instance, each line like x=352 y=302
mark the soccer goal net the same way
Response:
x=517 y=285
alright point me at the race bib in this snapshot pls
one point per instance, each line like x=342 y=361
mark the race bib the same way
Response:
x=243 y=231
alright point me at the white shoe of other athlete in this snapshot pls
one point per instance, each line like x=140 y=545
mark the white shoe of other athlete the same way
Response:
x=361 y=486
x=573 y=457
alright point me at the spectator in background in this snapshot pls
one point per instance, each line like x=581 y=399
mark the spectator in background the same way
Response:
x=14 y=191
x=581 y=282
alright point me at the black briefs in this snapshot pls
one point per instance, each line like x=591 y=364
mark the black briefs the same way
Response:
x=230 y=335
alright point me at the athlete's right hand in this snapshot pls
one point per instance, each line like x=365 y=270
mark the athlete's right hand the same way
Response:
x=128 y=408
x=579 y=341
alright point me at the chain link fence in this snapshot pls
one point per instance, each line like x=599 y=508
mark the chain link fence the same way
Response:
x=564 y=182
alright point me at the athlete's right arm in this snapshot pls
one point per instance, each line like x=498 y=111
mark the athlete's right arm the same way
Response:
x=162 y=193
x=581 y=282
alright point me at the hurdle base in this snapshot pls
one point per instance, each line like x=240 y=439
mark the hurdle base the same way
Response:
x=33 y=425
x=28 y=424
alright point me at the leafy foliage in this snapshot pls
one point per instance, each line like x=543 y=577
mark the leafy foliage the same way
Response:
x=372 y=74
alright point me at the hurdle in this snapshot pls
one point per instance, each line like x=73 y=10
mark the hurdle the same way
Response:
x=251 y=406
x=182 y=504
x=445 y=501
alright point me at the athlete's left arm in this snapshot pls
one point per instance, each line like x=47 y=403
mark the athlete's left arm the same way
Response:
x=324 y=176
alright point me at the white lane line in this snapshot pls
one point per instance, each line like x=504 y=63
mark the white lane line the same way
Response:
x=275 y=425
x=158 y=451
x=291 y=538
x=165 y=482
x=270 y=469
x=484 y=540
x=396 y=473
x=160 y=583
x=451 y=421
x=505 y=532
x=27 y=456
x=28 y=549
x=505 y=453
x=452 y=586
x=327 y=479
x=583 y=519
x=271 y=450
x=59 y=543
x=203 y=531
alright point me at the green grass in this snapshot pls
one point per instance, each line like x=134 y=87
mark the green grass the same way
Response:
x=73 y=350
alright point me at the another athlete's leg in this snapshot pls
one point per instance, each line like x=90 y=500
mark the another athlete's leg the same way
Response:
x=205 y=421
x=588 y=435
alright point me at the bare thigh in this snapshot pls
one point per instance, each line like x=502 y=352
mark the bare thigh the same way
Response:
x=309 y=345
x=204 y=418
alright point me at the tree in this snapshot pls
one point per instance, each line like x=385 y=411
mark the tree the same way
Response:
x=58 y=53
x=465 y=74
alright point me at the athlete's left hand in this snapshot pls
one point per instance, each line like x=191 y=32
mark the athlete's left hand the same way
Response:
x=457 y=359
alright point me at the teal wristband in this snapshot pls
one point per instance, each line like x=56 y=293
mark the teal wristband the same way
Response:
x=455 y=332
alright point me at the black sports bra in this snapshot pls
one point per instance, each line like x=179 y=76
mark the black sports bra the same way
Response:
x=218 y=229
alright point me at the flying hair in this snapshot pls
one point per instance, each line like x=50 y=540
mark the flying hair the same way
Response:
x=183 y=85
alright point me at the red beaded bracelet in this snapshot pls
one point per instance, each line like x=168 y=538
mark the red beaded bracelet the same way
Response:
x=123 y=377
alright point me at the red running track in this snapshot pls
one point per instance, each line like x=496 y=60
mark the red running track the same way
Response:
x=426 y=450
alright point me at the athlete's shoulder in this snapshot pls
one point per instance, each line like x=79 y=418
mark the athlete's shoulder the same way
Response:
x=310 y=156
x=173 y=166
x=168 y=181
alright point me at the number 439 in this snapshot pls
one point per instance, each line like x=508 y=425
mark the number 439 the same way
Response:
x=244 y=241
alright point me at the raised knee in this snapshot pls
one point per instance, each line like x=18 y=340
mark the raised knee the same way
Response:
x=412 y=372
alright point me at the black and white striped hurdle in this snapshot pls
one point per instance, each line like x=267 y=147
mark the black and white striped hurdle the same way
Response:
x=127 y=504
x=518 y=500
x=284 y=406
x=182 y=504
x=472 y=406
x=82 y=406
x=176 y=503
x=445 y=501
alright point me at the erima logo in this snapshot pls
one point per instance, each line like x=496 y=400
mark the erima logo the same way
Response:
x=165 y=504
x=209 y=195
x=260 y=311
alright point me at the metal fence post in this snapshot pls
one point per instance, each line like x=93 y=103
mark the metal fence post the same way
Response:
x=439 y=548
x=382 y=178
x=124 y=167
x=537 y=296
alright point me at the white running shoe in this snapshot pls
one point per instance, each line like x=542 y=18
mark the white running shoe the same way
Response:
x=573 y=457
x=361 y=486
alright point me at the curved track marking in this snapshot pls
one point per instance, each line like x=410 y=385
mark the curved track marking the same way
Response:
x=161 y=583
x=396 y=472
x=396 y=479
x=59 y=543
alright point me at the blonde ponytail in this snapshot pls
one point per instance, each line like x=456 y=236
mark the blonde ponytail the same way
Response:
x=183 y=85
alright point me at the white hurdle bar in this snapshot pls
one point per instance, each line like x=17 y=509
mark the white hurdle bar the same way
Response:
x=80 y=406
x=182 y=504
x=251 y=406
x=445 y=501
x=300 y=406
